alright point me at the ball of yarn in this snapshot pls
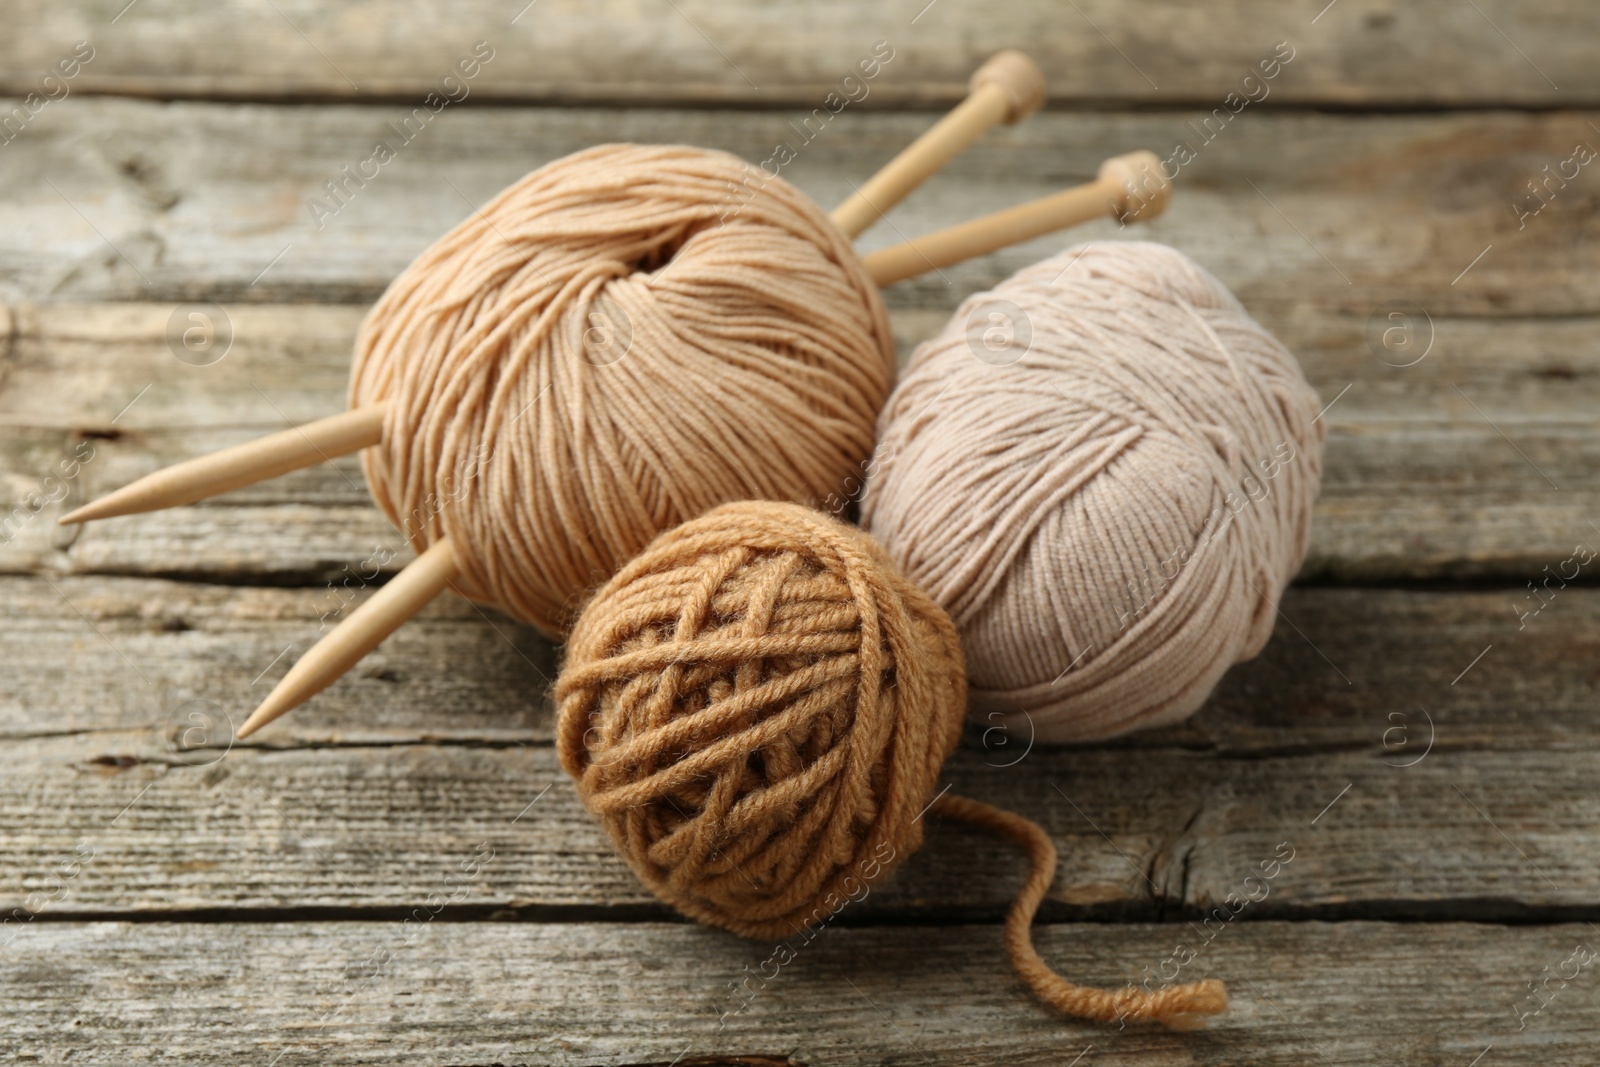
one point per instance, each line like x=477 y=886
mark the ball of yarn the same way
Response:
x=622 y=340
x=757 y=708
x=1104 y=470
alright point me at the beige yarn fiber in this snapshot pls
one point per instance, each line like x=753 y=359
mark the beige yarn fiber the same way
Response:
x=758 y=709
x=622 y=340
x=1110 y=505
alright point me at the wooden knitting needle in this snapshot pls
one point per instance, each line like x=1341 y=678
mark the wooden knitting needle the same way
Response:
x=255 y=461
x=402 y=597
x=1129 y=187
x=1008 y=88
x=241 y=465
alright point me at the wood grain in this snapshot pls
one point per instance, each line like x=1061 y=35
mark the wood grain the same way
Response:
x=1293 y=211
x=1437 y=470
x=96 y=654
x=1358 y=52
x=1480 y=824
x=374 y=993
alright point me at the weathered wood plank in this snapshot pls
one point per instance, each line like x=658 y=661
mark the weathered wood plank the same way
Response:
x=1433 y=470
x=76 y=365
x=1425 y=53
x=1143 y=832
x=205 y=201
x=119 y=655
x=124 y=654
x=377 y=993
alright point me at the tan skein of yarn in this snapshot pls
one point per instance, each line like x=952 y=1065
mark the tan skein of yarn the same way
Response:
x=758 y=707
x=618 y=342
x=1110 y=505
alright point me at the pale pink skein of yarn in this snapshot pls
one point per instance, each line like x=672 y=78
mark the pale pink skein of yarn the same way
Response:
x=1110 y=505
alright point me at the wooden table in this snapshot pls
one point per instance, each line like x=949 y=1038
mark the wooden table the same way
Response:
x=399 y=872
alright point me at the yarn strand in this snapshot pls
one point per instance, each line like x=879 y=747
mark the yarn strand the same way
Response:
x=1183 y=1007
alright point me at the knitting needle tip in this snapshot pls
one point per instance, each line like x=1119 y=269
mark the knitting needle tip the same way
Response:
x=87 y=513
x=275 y=705
x=254 y=461
x=382 y=614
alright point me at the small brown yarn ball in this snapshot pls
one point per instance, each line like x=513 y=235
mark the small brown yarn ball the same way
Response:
x=757 y=709
x=622 y=340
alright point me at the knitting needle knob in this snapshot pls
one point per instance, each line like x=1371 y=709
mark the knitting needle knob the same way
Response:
x=1129 y=187
x=1138 y=188
x=1006 y=89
